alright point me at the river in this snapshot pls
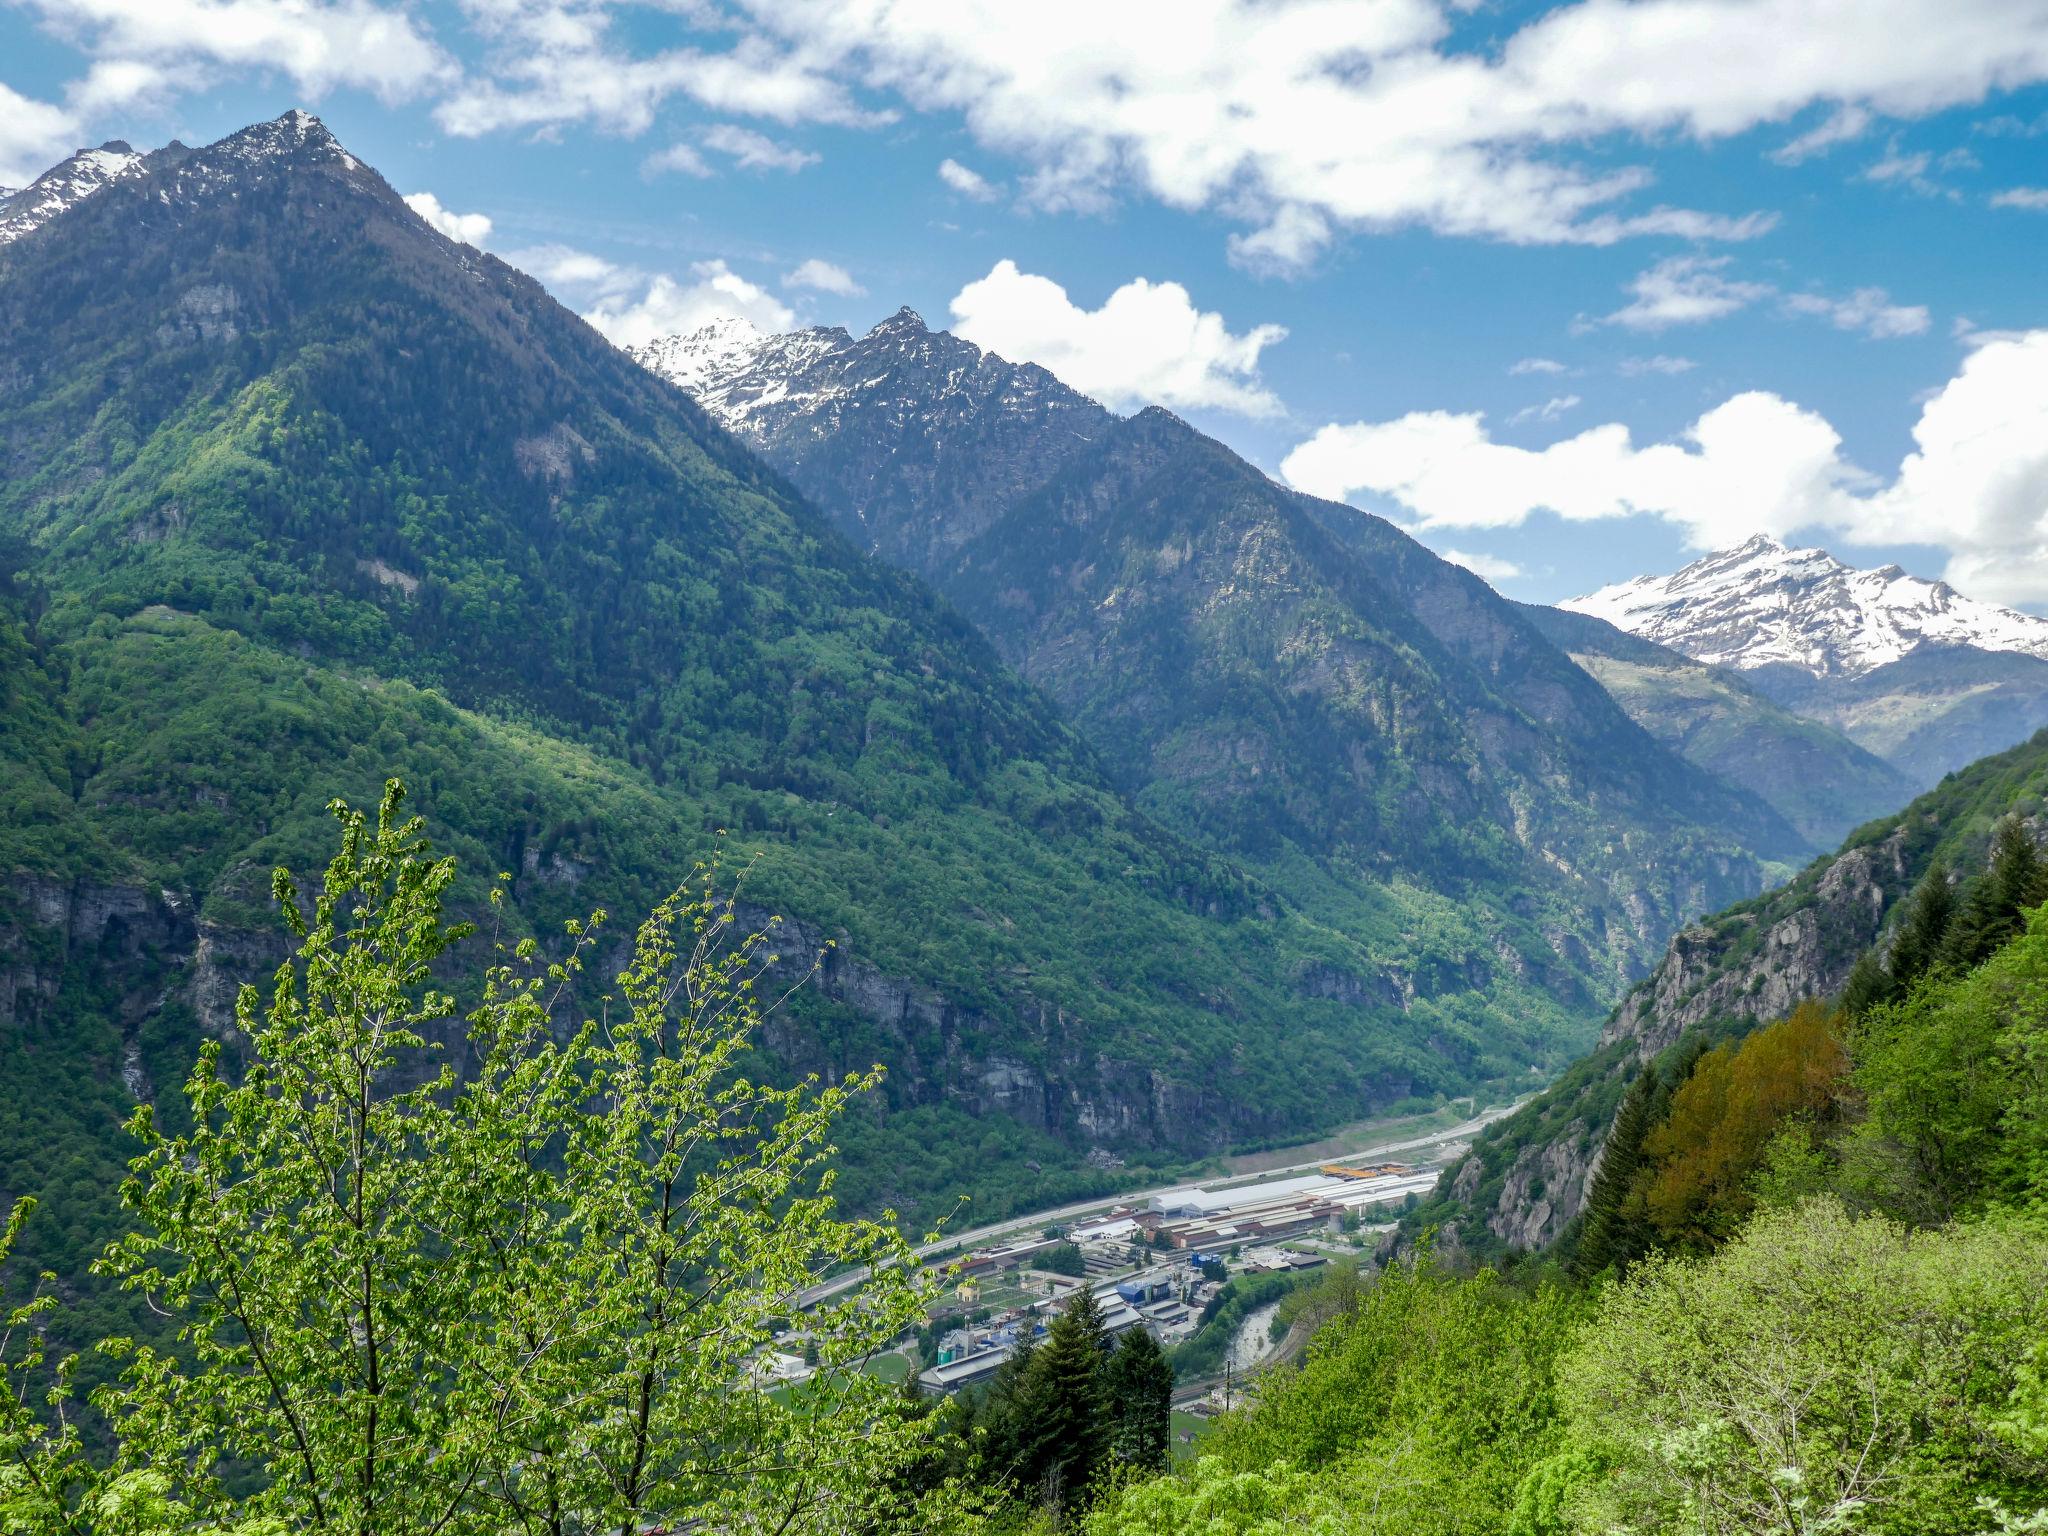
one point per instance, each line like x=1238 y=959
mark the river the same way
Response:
x=1254 y=1343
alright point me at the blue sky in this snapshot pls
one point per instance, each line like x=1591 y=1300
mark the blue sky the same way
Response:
x=1573 y=291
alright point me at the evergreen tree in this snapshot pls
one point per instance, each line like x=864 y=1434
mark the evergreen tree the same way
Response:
x=1869 y=985
x=1138 y=1382
x=1924 y=928
x=1609 y=1237
x=1065 y=1436
x=2013 y=881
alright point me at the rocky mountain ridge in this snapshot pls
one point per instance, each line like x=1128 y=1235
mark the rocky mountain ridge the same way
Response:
x=1289 y=677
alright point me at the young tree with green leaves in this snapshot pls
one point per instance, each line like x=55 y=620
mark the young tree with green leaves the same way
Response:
x=1820 y=1373
x=525 y=1297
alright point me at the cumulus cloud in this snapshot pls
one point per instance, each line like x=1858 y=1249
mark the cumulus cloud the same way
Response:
x=1690 y=290
x=1303 y=119
x=632 y=306
x=1486 y=567
x=463 y=228
x=1976 y=482
x=1537 y=365
x=968 y=183
x=317 y=44
x=823 y=277
x=556 y=62
x=1869 y=310
x=756 y=151
x=662 y=305
x=682 y=158
x=2021 y=197
x=1549 y=410
x=1147 y=344
x=1838 y=127
x=1661 y=362
x=34 y=135
x=1685 y=290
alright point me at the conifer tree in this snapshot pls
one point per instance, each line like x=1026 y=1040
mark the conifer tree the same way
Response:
x=1064 y=1408
x=1609 y=1237
x=1924 y=928
x=1139 y=1386
x=2014 y=880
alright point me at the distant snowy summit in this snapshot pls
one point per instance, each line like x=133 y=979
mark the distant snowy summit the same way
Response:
x=1763 y=604
x=64 y=186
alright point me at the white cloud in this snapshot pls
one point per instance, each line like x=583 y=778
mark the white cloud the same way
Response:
x=683 y=158
x=1897 y=166
x=968 y=183
x=1549 y=410
x=1304 y=119
x=662 y=305
x=34 y=135
x=1147 y=344
x=1869 y=310
x=1537 y=365
x=1671 y=367
x=565 y=266
x=1838 y=127
x=1486 y=567
x=2010 y=127
x=556 y=63
x=633 y=307
x=318 y=44
x=756 y=151
x=1975 y=484
x=1685 y=290
x=2021 y=197
x=1690 y=290
x=825 y=278
x=463 y=228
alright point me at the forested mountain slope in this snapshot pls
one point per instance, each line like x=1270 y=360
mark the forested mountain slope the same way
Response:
x=1527 y=1178
x=299 y=493
x=1297 y=684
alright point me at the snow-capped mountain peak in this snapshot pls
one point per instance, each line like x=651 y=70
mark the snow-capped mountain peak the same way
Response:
x=1762 y=604
x=64 y=186
x=755 y=384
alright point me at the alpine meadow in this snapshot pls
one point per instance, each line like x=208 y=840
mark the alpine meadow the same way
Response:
x=1254 y=768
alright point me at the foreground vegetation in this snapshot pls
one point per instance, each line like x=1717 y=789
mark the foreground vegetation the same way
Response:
x=432 y=1267
x=1810 y=1294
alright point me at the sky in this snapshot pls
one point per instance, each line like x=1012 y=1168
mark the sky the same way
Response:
x=1571 y=292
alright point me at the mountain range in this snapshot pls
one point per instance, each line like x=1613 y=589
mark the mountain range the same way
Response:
x=1909 y=669
x=1302 y=686
x=1152 y=807
x=300 y=493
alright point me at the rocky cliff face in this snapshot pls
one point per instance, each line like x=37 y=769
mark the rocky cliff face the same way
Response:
x=1528 y=1176
x=146 y=948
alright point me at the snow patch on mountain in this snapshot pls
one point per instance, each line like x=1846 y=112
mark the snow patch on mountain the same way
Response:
x=759 y=386
x=64 y=186
x=297 y=135
x=1764 y=604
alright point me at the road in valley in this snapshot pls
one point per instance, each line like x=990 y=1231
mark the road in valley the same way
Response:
x=975 y=1237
